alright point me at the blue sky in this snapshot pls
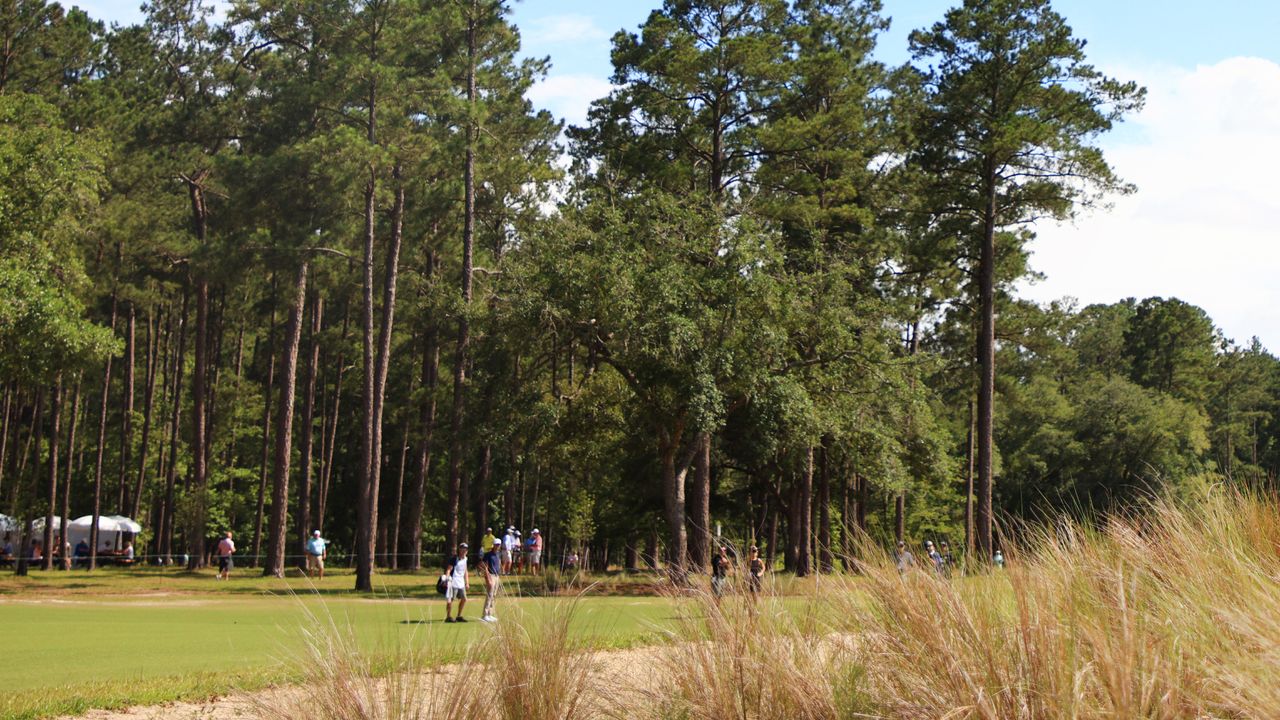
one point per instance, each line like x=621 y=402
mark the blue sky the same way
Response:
x=1204 y=153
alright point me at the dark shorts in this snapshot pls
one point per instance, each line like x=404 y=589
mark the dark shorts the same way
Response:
x=226 y=562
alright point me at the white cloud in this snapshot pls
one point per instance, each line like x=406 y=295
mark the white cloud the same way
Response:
x=1205 y=223
x=569 y=96
x=555 y=29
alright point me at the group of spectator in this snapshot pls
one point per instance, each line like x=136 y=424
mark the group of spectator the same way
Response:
x=941 y=561
x=316 y=550
x=65 y=557
x=516 y=554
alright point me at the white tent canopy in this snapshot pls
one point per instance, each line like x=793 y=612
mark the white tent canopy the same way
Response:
x=126 y=525
x=109 y=531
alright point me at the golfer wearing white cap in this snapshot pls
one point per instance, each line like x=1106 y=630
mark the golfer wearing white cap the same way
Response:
x=508 y=549
x=317 y=551
x=456 y=569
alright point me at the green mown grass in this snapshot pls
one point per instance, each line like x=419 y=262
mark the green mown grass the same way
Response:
x=71 y=651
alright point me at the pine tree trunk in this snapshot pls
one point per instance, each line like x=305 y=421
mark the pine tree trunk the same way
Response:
x=968 y=484
x=848 y=522
x=987 y=369
x=274 y=565
x=456 y=416
x=6 y=422
x=218 y=330
x=826 y=563
x=804 y=563
x=171 y=471
x=126 y=416
x=900 y=516
x=102 y=442
x=393 y=547
x=199 y=454
x=308 y=431
x=651 y=548
x=35 y=438
x=55 y=429
x=266 y=436
x=331 y=437
x=148 y=406
x=699 y=499
x=71 y=447
x=418 y=491
x=376 y=386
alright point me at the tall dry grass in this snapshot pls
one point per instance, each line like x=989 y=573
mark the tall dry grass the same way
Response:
x=743 y=657
x=520 y=669
x=1172 y=612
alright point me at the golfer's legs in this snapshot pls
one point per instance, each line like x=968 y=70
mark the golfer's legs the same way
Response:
x=490 y=593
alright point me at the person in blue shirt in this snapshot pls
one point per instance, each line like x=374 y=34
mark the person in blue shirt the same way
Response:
x=317 y=551
x=935 y=557
x=491 y=568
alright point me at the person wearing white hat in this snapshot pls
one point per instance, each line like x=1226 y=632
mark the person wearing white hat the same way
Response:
x=535 y=552
x=508 y=549
x=317 y=550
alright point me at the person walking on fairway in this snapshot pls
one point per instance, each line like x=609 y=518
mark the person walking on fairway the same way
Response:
x=456 y=569
x=317 y=551
x=491 y=566
x=226 y=557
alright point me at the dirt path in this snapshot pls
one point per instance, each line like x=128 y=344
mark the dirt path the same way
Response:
x=621 y=666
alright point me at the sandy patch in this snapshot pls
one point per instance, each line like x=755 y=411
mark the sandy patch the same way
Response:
x=628 y=672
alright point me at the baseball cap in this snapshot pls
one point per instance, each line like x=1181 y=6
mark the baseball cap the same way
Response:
x=535 y=531
x=496 y=542
x=463 y=545
x=316 y=533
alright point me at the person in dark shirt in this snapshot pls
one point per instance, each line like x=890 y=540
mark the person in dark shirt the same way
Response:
x=719 y=571
x=755 y=571
x=491 y=567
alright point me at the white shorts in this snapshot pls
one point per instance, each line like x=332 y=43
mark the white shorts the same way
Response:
x=535 y=557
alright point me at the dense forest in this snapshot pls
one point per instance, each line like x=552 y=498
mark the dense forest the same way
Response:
x=321 y=264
